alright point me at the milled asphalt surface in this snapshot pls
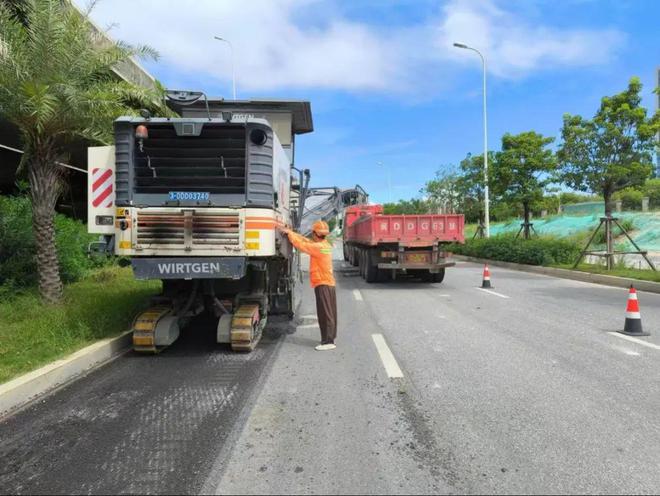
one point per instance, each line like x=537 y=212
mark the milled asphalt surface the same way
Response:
x=525 y=394
x=141 y=424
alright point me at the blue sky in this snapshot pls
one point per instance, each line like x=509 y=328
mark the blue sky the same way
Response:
x=384 y=81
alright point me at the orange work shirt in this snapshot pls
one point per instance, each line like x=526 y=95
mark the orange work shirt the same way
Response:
x=320 y=259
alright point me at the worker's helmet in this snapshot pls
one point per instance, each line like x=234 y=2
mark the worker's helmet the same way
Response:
x=321 y=228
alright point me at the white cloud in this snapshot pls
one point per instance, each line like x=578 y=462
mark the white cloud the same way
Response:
x=515 y=47
x=309 y=44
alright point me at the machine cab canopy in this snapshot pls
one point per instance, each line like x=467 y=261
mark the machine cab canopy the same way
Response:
x=288 y=118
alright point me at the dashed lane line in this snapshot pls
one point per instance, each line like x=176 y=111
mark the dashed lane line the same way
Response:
x=489 y=291
x=389 y=362
x=307 y=326
x=357 y=295
x=635 y=340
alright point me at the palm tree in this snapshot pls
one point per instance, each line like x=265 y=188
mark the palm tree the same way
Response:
x=57 y=86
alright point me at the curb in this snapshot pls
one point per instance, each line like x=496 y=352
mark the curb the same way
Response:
x=24 y=389
x=614 y=281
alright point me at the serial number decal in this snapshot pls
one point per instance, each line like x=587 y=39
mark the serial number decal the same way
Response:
x=188 y=195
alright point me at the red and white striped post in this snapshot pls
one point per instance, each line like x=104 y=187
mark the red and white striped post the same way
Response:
x=103 y=194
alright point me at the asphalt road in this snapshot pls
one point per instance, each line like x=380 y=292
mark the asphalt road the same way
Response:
x=141 y=424
x=520 y=390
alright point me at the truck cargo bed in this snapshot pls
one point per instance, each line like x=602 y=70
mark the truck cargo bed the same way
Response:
x=406 y=230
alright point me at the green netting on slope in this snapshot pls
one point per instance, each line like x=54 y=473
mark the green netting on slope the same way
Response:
x=646 y=232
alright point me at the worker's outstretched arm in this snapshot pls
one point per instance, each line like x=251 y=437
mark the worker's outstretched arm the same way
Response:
x=303 y=244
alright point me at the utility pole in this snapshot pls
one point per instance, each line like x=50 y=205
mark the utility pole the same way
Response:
x=233 y=66
x=486 y=191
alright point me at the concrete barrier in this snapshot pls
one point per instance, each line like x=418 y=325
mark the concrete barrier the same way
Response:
x=619 y=282
x=24 y=389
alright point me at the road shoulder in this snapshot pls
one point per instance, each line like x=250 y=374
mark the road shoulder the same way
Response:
x=328 y=422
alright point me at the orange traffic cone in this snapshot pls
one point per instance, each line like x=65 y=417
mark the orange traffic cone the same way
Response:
x=486 y=279
x=633 y=326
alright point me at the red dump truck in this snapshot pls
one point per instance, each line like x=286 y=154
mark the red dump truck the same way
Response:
x=384 y=245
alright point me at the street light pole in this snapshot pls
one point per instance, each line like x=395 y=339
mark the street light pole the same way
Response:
x=233 y=67
x=389 y=182
x=486 y=190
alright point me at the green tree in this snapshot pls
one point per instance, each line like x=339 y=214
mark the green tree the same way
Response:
x=471 y=186
x=56 y=86
x=523 y=169
x=406 y=207
x=612 y=151
x=442 y=192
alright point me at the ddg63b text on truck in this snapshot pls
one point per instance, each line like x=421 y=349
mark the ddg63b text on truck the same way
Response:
x=195 y=201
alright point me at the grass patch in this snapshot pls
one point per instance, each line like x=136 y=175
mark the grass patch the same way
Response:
x=629 y=273
x=101 y=305
x=544 y=250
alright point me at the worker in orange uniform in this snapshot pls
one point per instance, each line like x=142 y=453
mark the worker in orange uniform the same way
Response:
x=319 y=250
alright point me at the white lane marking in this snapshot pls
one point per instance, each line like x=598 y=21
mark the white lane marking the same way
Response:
x=307 y=326
x=444 y=296
x=357 y=295
x=309 y=316
x=625 y=351
x=492 y=292
x=635 y=340
x=389 y=362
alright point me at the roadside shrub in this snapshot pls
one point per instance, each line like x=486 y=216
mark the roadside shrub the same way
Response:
x=18 y=268
x=631 y=198
x=652 y=189
x=536 y=251
x=501 y=211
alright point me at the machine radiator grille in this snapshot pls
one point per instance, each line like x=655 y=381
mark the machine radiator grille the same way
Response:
x=212 y=162
x=214 y=229
x=187 y=229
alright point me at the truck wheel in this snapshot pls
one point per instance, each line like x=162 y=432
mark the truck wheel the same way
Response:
x=384 y=275
x=429 y=277
x=346 y=256
x=371 y=268
x=354 y=256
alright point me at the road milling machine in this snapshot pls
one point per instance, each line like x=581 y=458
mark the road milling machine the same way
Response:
x=195 y=201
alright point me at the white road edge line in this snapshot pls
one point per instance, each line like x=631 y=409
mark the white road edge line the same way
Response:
x=389 y=362
x=493 y=292
x=635 y=340
x=357 y=295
